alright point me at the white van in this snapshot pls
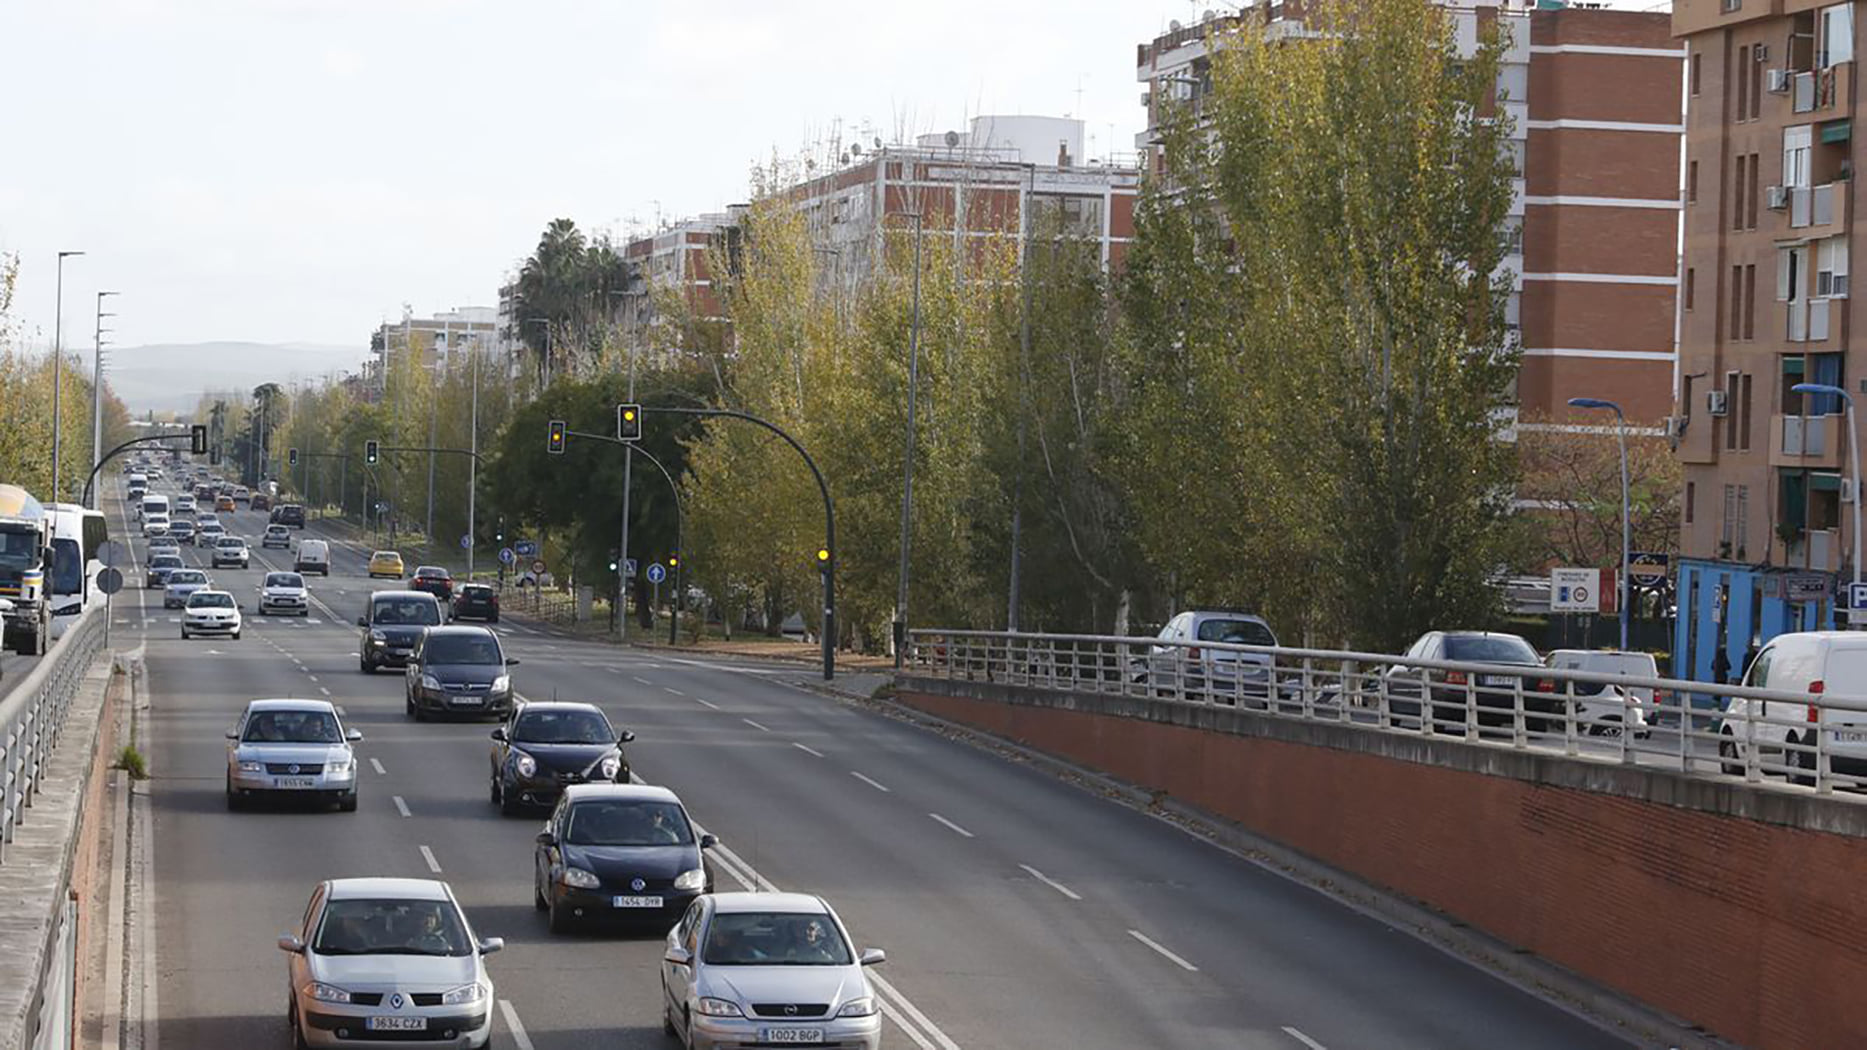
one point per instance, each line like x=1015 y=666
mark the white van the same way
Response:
x=153 y=505
x=78 y=536
x=312 y=556
x=1818 y=663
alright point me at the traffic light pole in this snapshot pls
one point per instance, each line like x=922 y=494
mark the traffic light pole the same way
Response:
x=680 y=530
x=90 y=482
x=826 y=557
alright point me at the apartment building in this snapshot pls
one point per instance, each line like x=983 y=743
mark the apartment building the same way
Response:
x=1769 y=205
x=438 y=339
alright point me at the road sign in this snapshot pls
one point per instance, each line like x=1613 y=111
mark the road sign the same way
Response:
x=539 y=567
x=1806 y=586
x=1857 y=596
x=525 y=548
x=466 y=542
x=628 y=567
x=1574 y=590
x=656 y=572
x=110 y=581
x=506 y=557
x=110 y=552
x=1647 y=568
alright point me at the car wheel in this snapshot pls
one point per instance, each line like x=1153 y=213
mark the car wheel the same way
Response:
x=236 y=636
x=364 y=665
x=493 y=618
x=184 y=634
x=1804 y=764
x=234 y=801
x=348 y=803
x=493 y=790
x=538 y=893
x=1731 y=765
x=508 y=806
x=667 y=1012
x=560 y=921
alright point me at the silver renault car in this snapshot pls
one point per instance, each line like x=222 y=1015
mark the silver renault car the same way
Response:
x=292 y=749
x=388 y=960
x=767 y=969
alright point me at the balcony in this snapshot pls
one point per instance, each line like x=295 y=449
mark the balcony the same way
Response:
x=1806 y=442
x=1807 y=321
x=1813 y=207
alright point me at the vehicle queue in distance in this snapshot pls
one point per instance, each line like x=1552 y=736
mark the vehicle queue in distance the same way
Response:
x=376 y=958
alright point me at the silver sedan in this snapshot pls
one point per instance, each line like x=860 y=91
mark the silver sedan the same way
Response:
x=182 y=583
x=292 y=748
x=767 y=969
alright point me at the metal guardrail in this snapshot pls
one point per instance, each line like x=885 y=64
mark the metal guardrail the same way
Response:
x=1817 y=740
x=32 y=716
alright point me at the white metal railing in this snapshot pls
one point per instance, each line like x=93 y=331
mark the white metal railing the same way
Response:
x=1817 y=741
x=32 y=716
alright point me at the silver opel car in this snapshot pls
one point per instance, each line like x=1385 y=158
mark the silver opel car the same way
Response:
x=388 y=960
x=767 y=969
x=292 y=748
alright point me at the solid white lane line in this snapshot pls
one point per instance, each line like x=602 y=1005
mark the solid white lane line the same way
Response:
x=901 y=1022
x=376 y=764
x=1304 y=1039
x=671 y=689
x=401 y=806
x=519 y=1038
x=1162 y=949
x=876 y=784
x=755 y=725
x=709 y=703
x=1052 y=883
x=433 y=865
x=951 y=825
x=808 y=750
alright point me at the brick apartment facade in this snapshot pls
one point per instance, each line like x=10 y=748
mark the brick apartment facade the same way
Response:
x=1768 y=218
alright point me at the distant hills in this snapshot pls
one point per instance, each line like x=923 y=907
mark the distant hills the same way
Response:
x=170 y=377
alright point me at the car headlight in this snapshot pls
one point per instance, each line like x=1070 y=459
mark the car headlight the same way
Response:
x=502 y=683
x=429 y=681
x=466 y=993
x=525 y=764
x=581 y=879
x=691 y=880
x=251 y=767
x=325 y=993
x=339 y=768
x=863 y=1007
x=378 y=636
x=720 y=1008
x=610 y=767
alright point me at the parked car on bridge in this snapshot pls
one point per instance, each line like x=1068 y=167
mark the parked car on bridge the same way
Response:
x=1603 y=709
x=1493 y=693
x=1783 y=735
x=1177 y=663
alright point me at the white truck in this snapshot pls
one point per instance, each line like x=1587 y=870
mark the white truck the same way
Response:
x=25 y=556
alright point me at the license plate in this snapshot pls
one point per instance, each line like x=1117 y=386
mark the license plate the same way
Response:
x=397 y=1024
x=293 y=782
x=1851 y=738
x=466 y=701
x=1494 y=679
x=637 y=902
x=782 y=1036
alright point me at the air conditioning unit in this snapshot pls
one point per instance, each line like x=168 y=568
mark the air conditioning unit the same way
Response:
x=1777 y=80
x=1776 y=197
x=1715 y=403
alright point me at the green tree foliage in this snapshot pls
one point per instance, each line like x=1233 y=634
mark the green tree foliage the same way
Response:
x=26 y=389
x=567 y=282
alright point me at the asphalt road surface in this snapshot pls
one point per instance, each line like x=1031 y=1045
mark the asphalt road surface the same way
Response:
x=1016 y=910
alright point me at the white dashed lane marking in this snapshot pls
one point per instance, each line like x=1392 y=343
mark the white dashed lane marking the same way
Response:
x=807 y=749
x=876 y=784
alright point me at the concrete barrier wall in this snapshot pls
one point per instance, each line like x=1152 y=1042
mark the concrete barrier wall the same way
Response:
x=1713 y=901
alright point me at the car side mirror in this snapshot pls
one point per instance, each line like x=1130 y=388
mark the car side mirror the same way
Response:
x=490 y=945
x=291 y=943
x=679 y=956
x=233 y=734
x=512 y=661
x=709 y=840
x=873 y=957
x=625 y=737
x=547 y=838
x=353 y=736
x=499 y=734
x=363 y=621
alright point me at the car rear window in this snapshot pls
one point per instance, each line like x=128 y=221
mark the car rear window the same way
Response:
x=1236 y=632
x=1490 y=649
x=188 y=576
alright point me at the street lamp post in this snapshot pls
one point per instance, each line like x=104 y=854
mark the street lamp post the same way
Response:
x=907 y=460
x=1854 y=459
x=97 y=388
x=1627 y=527
x=58 y=367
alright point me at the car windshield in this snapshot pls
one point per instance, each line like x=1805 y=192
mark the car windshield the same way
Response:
x=292 y=727
x=165 y=561
x=411 y=611
x=1237 y=632
x=627 y=822
x=774 y=939
x=391 y=927
x=1490 y=649
x=210 y=601
x=284 y=579
x=563 y=727
x=462 y=649
x=18 y=549
x=187 y=576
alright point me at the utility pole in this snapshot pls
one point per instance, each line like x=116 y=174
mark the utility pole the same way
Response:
x=433 y=398
x=1025 y=221
x=623 y=579
x=473 y=461
x=97 y=390
x=907 y=460
x=58 y=369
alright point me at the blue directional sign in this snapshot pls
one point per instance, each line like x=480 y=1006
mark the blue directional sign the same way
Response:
x=506 y=556
x=525 y=548
x=1857 y=595
x=466 y=542
x=657 y=572
x=628 y=568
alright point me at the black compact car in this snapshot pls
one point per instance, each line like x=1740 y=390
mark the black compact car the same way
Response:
x=288 y=514
x=546 y=747
x=459 y=671
x=476 y=601
x=1492 y=692
x=393 y=624
x=619 y=853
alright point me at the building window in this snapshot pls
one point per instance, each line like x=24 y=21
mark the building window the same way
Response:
x=1756 y=82
x=1736 y=293
x=1730 y=411
x=1743 y=519
x=1730 y=519
x=1831 y=268
x=1691 y=285
x=1744 y=420
x=1797 y=142
x=1751 y=196
x=1728 y=6
x=1742 y=80
x=1691 y=182
x=1750 y=302
x=1691 y=500
x=1837 y=35
x=1738 y=210
x=1695 y=71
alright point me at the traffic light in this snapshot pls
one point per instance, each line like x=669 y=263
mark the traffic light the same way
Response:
x=291 y=457
x=554 y=443
x=629 y=422
x=197 y=438
x=673 y=561
x=371 y=452
x=823 y=557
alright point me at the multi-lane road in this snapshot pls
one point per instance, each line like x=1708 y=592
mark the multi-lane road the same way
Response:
x=1016 y=910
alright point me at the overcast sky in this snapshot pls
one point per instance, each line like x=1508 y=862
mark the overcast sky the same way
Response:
x=295 y=170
